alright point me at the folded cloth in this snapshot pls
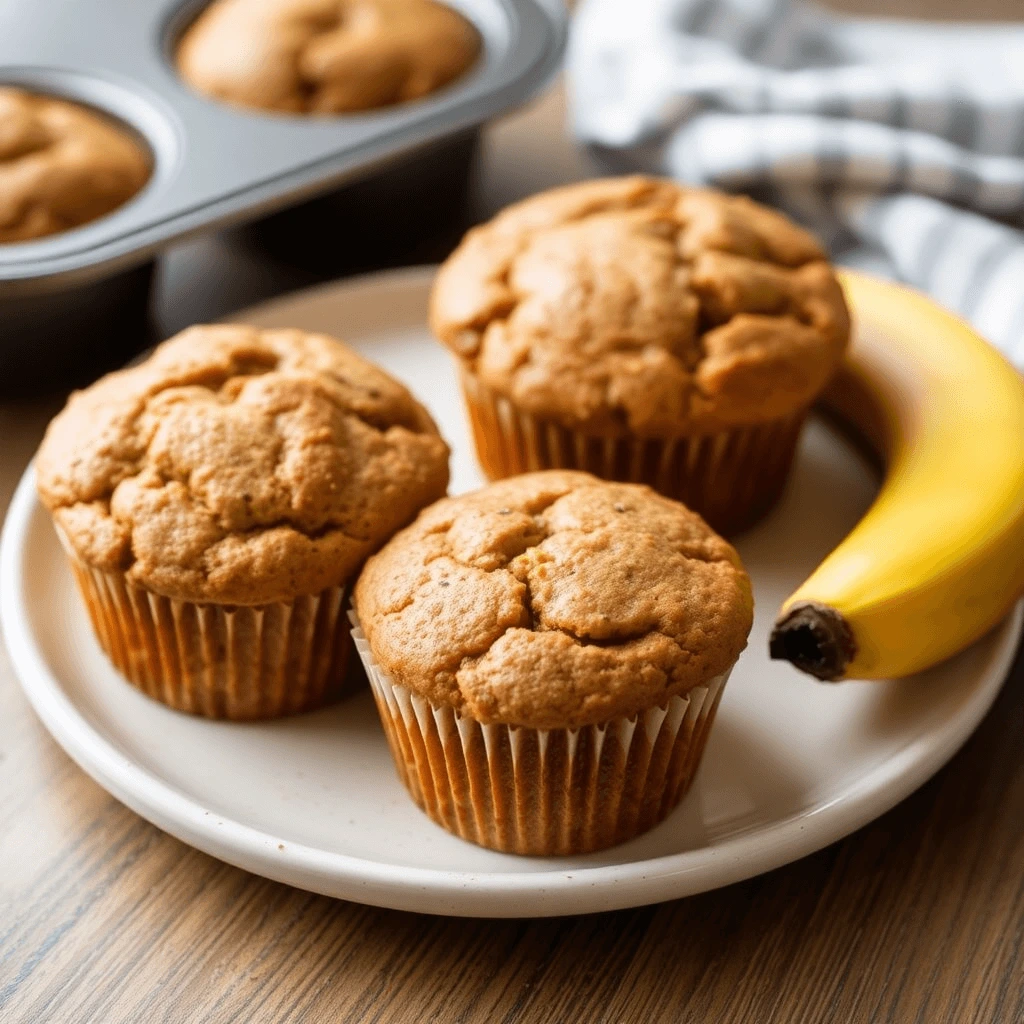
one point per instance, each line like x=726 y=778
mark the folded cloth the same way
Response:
x=900 y=143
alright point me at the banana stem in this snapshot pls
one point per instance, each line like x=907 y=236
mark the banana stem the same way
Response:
x=815 y=638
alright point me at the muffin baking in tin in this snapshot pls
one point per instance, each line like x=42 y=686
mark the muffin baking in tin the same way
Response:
x=336 y=57
x=64 y=165
x=322 y=57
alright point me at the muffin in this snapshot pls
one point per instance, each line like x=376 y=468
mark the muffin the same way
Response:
x=217 y=501
x=325 y=56
x=547 y=655
x=643 y=331
x=61 y=165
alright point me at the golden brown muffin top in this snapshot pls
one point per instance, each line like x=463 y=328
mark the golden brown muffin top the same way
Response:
x=325 y=56
x=555 y=600
x=61 y=165
x=239 y=466
x=637 y=305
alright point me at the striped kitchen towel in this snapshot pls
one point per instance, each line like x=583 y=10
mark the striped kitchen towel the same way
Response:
x=900 y=143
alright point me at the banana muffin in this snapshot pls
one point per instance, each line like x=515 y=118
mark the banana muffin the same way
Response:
x=61 y=165
x=547 y=655
x=325 y=56
x=216 y=502
x=643 y=331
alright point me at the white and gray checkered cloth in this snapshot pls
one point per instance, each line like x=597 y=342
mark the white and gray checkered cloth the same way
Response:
x=900 y=143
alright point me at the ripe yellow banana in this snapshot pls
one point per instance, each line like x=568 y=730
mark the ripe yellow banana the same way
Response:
x=938 y=559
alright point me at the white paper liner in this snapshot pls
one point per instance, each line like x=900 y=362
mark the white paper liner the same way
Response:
x=731 y=478
x=542 y=791
x=233 y=662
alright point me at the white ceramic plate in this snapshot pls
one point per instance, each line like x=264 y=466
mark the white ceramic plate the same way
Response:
x=792 y=764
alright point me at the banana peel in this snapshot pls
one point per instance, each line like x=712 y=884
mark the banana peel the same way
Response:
x=938 y=559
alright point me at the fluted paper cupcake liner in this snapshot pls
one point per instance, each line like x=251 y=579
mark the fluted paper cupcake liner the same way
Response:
x=542 y=791
x=732 y=478
x=232 y=662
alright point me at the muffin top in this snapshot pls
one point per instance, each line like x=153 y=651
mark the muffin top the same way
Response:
x=61 y=165
x=325 y=56
x=636 y=305
x=555 y=600
x=239 y=466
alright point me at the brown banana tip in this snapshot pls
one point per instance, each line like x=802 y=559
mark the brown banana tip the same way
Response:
x=816 y=639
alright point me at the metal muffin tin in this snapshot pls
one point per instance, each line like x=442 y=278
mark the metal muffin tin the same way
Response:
x=216 y=164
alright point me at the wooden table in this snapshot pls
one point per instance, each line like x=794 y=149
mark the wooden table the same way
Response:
x=105 y=919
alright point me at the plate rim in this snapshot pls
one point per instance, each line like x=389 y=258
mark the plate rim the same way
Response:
x=570 y=890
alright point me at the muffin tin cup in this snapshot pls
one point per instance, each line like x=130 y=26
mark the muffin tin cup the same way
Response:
x=235 y=662
x=732 y=478
x=545 y=792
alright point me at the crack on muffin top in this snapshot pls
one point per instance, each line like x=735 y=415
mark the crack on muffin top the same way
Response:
x=635 y=304
x=240 y=466
x=554 y=600
x=61 y=165
x=325 y=56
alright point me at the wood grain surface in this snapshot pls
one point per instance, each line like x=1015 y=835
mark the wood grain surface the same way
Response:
x=104 y=919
